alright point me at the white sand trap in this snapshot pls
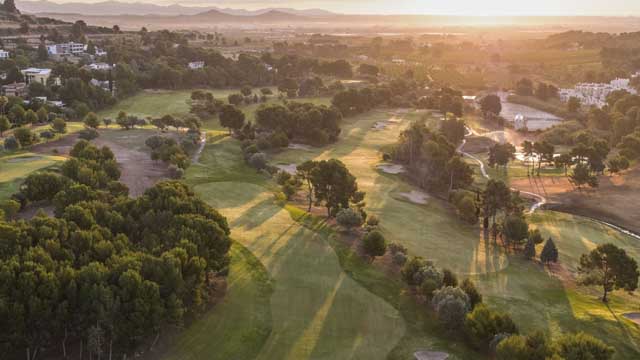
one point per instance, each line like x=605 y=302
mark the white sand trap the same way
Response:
x=430 y=355
x=24 y=159
x=395 y=120
x=391 y=168
x=635 y=317
x=295 y=146
x=379 y=126
x=291 y=168
x=416 y=197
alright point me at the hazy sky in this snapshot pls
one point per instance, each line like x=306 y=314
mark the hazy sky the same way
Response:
x=463 y=7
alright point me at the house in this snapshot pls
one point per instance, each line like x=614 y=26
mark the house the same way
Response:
x=70 y=48
x=4 y=55
x=196 y=65
x=15 y=89
x=36 y=75
x=98 y=66
x=100 y=52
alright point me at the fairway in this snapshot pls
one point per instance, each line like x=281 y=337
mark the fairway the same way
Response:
x=13 y=168
x=536 y=299
x=317 y=310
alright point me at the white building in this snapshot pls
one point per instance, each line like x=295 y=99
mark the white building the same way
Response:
x=196 y=65
x=595 y=94
x=4 y=55
x=98 y=66
x=70 y=48
x=36 y=75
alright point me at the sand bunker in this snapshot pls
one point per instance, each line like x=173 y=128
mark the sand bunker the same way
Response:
x=391 y=168
x=416 y=197
x=379 y=126
x=295 y=146
x=430 y=355
x=395 y=120
x=635 y=317
x=24 y=159
x=291 y=168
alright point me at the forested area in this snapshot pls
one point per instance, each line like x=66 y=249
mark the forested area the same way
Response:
x=107 y=272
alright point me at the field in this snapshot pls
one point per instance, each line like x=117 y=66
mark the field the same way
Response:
x=157 y=103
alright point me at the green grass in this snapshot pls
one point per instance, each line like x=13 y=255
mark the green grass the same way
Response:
x=243 y=316
x=15 y=167
x=317 y=310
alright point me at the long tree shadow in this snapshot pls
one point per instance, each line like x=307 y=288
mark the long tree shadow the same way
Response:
x=256 y=215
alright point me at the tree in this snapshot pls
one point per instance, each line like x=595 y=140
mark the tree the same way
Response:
x=452 y=305
x=107 y=122
x=334 y=186
x=374 y=243
x=449 y=278
x=483 y=324
x=246 y=91
x=91 y=120
x=235 y=99
x=535 y=346
x=491 y=104
x=610 y=267
x=582 y=175
x=30 y=117
x=573 y=104
x=11 y=144
x=460 y=173
x=617 y=164
x=496 y=196
x=582 y=346
x=25 y=136
x=10 y=6
x=524 y=87
x=530 y=249
x=231 y=117
x=349 y=218
x=474 y=295
x=43 y=115
x=4 y=124
x=453 y=129
x=515 y=229
x=501 y=154
x=59 y=125
x=304 y=173
x=549 y=253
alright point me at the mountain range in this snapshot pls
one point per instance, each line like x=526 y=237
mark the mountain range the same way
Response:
x=111 y=8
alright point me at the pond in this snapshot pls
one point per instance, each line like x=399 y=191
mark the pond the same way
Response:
x=535 y=119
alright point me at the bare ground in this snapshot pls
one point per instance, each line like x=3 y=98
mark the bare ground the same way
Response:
x=139 y=172
x=614 y=201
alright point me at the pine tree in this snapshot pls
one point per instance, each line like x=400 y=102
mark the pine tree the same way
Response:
x=530 y=249
x=10 y=6
x=549 y=252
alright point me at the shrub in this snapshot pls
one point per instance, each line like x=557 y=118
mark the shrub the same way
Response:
x=483 y=324
x=175 y=172
x=374 y=244
x=410 y=269
x=349 y=218
x=399 y=258
x=11 y=144
x=395 y=248
x=428 y=287
x=282 y=177
x=154 y=142
x=279 y=140
x=582 y=346
x=474 y=295
x=10 y=208
x=258 y=161
x=59 y=125
x=25 y=136
x=47 y=134
x=88 y=134
x=289 y=189
x=452 y=305
x=449 y=278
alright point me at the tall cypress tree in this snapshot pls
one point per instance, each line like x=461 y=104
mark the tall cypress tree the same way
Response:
x=530 y=250
x=549 y=252
x=10 y=6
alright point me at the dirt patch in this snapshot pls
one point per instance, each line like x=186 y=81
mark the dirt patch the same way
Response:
x=23 y=159
x=614 y=201
x=430 y=355
x=290 y=169
x=139 y=172
x=391 y=168
x=416 y=197
x=635 y=317
x=61 y=146
x=296 y=146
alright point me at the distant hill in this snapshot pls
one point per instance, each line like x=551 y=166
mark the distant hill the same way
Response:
x=110 y=8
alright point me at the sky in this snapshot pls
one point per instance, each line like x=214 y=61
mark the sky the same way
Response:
x=449 y=7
